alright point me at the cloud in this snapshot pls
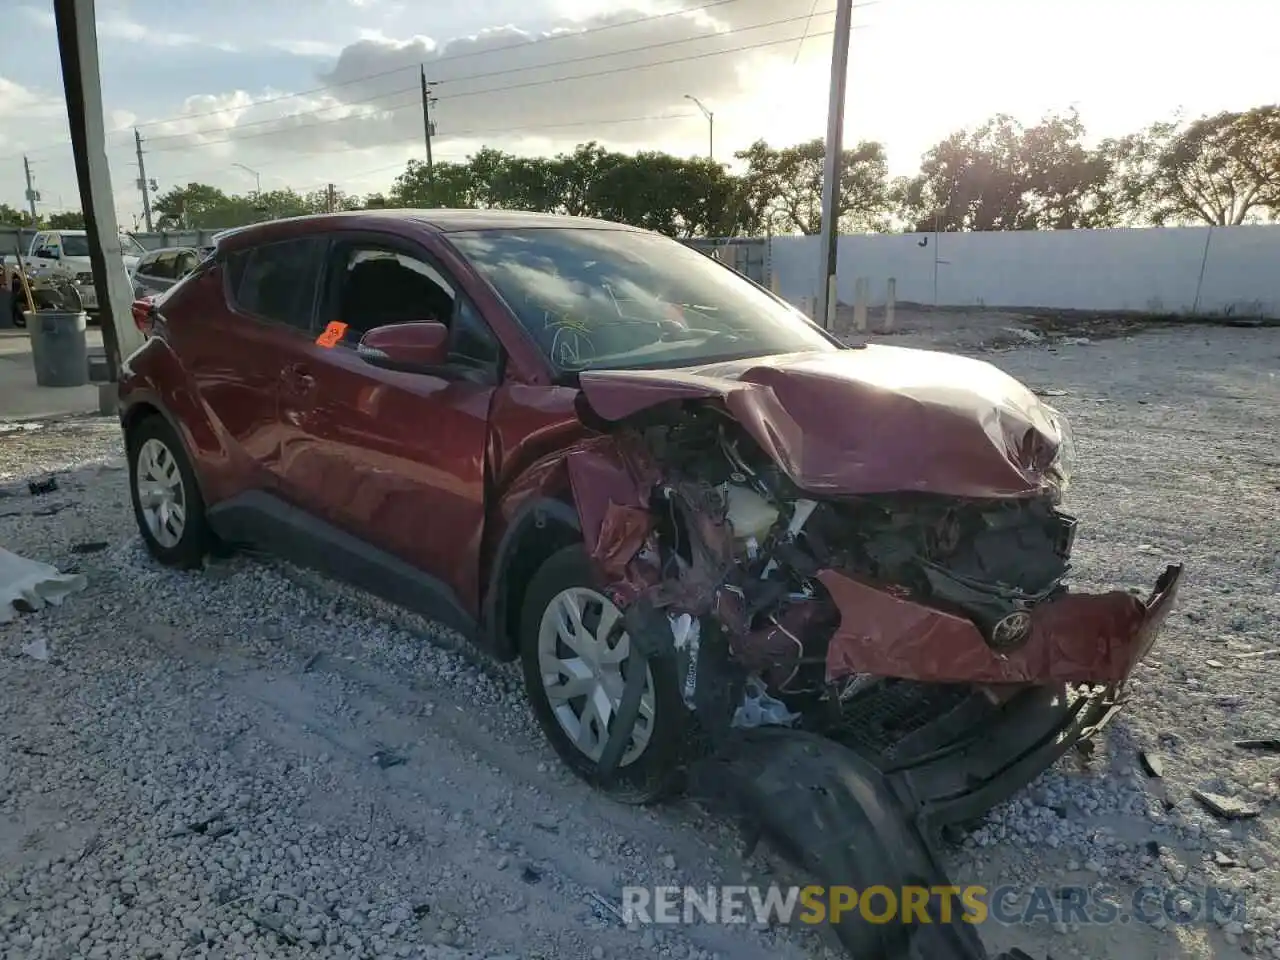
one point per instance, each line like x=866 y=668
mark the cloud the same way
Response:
x=307 y=48
x=21 y=102
x=592 y=78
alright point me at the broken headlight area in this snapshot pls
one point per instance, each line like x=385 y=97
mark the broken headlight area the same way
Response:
x=805 y=606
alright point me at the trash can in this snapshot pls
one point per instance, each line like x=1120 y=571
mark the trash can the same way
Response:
x=59 y=348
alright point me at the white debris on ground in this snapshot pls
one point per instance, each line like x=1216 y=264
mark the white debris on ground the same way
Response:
x=253 y=761
x=28 y=586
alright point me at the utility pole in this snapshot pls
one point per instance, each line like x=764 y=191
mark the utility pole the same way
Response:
x=428 y=128
x=32 y=196
x=142 y=180
x=329 y=202
x=832 y=167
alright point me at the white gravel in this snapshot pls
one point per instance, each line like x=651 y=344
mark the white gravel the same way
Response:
x=253 y=701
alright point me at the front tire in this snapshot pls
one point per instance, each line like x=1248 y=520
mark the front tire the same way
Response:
x=166 y=498
x=576 y=655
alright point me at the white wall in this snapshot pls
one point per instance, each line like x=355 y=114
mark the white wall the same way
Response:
x=1148 y=270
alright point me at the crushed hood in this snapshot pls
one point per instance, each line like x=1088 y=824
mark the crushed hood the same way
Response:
x=872 y=419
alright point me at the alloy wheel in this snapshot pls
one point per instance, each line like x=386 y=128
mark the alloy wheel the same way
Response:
x=583 y=656
x=161 y=493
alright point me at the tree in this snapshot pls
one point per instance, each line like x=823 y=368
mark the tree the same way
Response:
x=195 y=206
x=1221 y=170
x=12 y=217
x=784 y=186
x=1003 y=176
x=68 y=220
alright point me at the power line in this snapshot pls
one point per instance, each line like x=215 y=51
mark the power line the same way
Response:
x=567 y=35
x=505 y=72
x=505 y=89
x=294 y=157
x=590 y=31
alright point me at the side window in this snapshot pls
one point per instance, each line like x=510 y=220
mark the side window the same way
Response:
x=278 y=282
x=185 y=263
x=163 y=266
x=376 y=286
x=473 y=343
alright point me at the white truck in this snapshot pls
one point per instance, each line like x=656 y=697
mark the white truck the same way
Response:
x=65 y=254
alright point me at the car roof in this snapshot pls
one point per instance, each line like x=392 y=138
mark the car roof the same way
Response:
x=437 y=220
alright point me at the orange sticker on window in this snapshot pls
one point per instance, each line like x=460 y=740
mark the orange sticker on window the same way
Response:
x=332 y=335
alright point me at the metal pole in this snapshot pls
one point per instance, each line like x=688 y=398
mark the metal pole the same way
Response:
x=832 y=167
x=711 y=125
x=426 y=126
x=31 y=192
x=82 y=86
x=142 y=181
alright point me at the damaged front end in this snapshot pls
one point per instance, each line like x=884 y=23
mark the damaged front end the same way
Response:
x=920 y=642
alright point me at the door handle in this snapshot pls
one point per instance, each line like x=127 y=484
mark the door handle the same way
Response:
x=298 y=379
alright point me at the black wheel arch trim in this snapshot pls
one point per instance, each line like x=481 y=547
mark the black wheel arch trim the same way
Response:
x=131 y=411
x=534 y=515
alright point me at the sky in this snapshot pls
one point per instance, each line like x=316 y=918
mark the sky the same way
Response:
x=307 y=92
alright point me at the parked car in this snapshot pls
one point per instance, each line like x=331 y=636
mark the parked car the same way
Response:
x=62 y=255
x=160 y=269
x=716 y=537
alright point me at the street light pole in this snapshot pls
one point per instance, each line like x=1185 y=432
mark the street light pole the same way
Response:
x=711 y=125
x=832 y=166
x=257 y=179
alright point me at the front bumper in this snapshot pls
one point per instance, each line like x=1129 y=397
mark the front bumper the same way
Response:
x=1075 y=638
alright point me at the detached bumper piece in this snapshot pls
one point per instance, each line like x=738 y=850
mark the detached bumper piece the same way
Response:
x=864 y=810
x=1074 y=638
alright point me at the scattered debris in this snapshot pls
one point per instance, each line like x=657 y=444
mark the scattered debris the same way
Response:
x=1258 y=654
x=198 y=826
x=1224 y=807
x=90 y=546
x=28 y=585
x=530 y=875
x=388 y=758
x=311 y=662
x=37 y=649
x=1152 y=763
x=604 y=904
x=1225 y=859
x=1216 y=664
x=40 y=487
x=1050 y=392
x=1269 y=744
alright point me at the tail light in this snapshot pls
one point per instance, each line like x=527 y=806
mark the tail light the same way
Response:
x=143 y=310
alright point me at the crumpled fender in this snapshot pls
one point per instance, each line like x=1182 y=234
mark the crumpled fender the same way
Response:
x=870 y=420
x=610 y=488
x=1075 y=638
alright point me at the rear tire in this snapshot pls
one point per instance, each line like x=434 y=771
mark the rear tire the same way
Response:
x=562 y=601
x=166 y=498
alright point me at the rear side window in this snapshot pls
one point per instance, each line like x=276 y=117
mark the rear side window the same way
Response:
x=277 y=281
x=163 y=266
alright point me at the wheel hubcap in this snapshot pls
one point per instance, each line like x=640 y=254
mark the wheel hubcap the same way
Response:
x=583 y=656
x=161 y=495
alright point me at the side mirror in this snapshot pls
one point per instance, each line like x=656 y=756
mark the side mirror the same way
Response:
x=419 y=347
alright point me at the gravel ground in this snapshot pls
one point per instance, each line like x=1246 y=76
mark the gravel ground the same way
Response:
x=253 y=761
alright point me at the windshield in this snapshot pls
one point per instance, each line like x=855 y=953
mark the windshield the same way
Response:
x=74 y=246
x=130 y=247
x=612 y=299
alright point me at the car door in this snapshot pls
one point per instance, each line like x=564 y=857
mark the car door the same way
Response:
x=252 y=319
x=395 y=458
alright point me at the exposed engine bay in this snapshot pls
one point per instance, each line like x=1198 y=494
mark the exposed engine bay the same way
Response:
x=919 y=654
x=726 y=521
